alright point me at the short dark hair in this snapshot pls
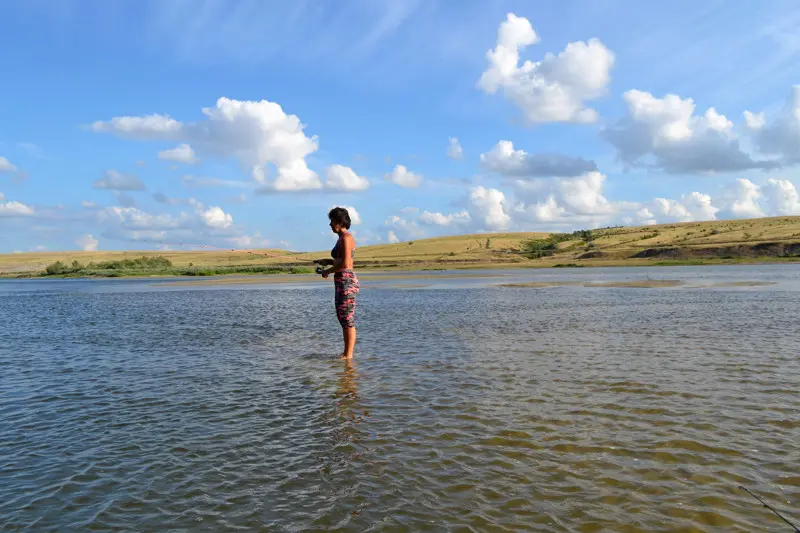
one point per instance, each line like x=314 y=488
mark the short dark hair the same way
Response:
x=339 y=215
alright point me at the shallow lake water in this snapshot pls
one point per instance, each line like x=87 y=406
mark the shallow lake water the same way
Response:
x=142 y=405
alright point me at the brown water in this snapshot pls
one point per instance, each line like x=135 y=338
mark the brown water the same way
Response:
x=127 y=405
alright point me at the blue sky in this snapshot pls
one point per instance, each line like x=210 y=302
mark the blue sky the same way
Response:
x=238 y=124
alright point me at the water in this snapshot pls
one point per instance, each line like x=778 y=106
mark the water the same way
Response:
x=141 y=405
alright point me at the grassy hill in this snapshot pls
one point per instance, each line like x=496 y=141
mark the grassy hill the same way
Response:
x=751 y=240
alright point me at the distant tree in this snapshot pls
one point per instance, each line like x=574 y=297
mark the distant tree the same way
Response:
x=586 y=235
x=488 y=243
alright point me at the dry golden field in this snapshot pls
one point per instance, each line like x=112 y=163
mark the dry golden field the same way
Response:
x=751 y=240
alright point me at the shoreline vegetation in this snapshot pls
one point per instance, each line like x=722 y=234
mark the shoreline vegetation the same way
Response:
x=766 y=240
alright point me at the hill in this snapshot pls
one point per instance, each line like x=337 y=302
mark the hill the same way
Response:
x=722 y=241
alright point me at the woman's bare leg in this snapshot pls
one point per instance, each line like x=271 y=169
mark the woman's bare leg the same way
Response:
x=349 y=335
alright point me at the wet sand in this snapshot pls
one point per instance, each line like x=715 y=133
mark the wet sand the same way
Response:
x=644 y=283
x=737 y=284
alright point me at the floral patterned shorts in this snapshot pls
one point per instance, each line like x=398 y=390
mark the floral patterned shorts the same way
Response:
x=347 y=287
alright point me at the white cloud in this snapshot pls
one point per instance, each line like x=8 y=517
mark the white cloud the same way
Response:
x=554 y=89
x=2 y=197
x=404 y=178
x=503 y=159
x=131 y=218
x=6 y=166
x=204 y=225
x=664 y=133
x=116 y=181
x=489 y=204
x=392 y=237
x=690 y=208
x=257 y=133
x=409 y=210
x=405 y=229
x=645 y=217
x=454 y=151
x=781 y=197
x=439 y=219
x=782 y=136
x=87 y=243
x=14 y=209
x=584 y=195
x=85 y=204
x=141 y=128
x=567 y=200
x=215 y=217
x=345 y=179
x=547 y=211
x=754 y=121
x=745 y=204
x=182 y=153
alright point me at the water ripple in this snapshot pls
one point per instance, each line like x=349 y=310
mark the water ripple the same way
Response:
x=565 y=410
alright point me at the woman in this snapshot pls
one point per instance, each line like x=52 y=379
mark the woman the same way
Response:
x=344 y=278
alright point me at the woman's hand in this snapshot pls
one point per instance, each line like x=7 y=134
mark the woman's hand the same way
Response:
x=325 y=273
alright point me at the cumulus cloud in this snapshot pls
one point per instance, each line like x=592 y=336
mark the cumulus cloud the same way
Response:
x=439 y=219
x=690 y=208
x=392 y=237
x=343 y=178
x=85 y=204
x=205 y=225
x=117 y=181
x=780 y=197
x=14 y=208
x=403 y=177
x=87 y=243
x=256 y=133
x=182 y=153
x=745 y=204
x=215 y=217
x=566 y=201
x=554 y=89
x=6 y=166
x=782 y=136
x=454 y=151
x=665 y=133
x=504 y=160
x=489 y=206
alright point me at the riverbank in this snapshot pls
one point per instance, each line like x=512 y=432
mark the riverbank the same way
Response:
x=754 y=241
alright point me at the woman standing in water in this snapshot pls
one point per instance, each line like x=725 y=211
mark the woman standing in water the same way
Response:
x=345 y=280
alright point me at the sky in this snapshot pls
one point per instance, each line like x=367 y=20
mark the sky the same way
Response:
x=237 y=124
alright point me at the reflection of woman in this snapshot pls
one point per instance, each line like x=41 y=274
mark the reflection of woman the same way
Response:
x=345 y=280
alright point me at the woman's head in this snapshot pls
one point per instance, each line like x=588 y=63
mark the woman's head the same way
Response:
x=340 y=219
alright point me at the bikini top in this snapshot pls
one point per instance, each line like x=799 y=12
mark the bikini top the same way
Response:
x=335 y=251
